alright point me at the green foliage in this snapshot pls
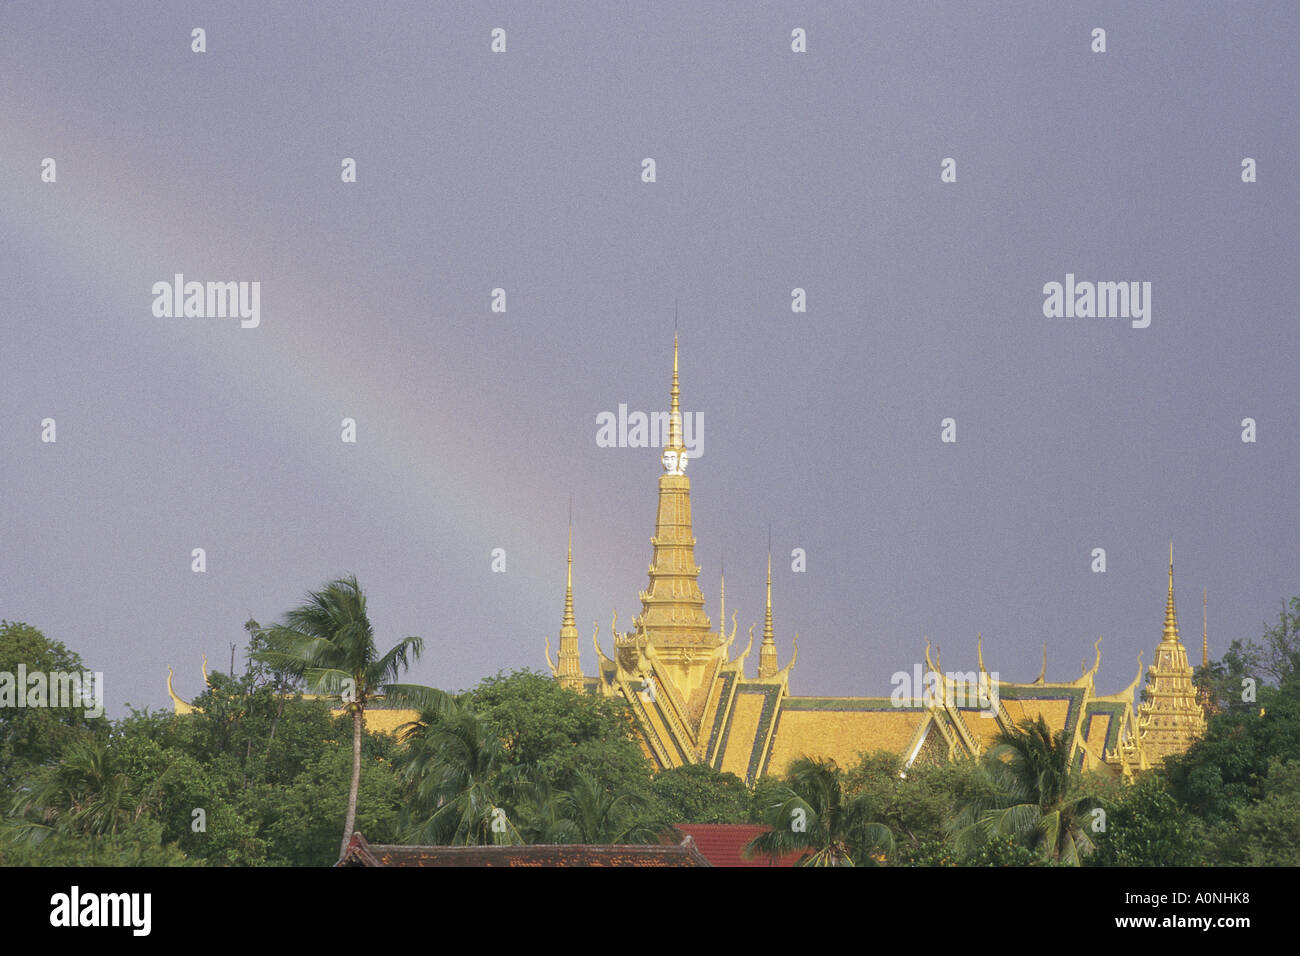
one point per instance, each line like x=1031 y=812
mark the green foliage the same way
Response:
x=329 y=643
x=456 y=774
x=696 y=793
x=556 y=733
x=270 y=770
x=301 y=822
x=603 y=815
x=32 y=737
x=1004 y=851
x=1033 y=797
x=1267 y=832
x=916 y=804
x=141 y=844
x=1145 y=826
x=1222 y=774
x=811 y=812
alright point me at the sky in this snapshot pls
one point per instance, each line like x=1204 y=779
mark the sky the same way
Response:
x=774 y=170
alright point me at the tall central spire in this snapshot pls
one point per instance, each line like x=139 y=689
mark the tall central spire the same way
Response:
x=1171 y=618
x=568 y=584
x=569 y=671
x=767 y=651
x=1205 y=631
x=675 y=411
x=672 y=607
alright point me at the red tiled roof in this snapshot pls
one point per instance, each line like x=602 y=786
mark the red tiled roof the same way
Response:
x=722 y=843
x=362 y=853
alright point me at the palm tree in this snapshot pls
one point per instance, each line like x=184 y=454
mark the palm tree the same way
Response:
x=540 y=810
x=330 y=643
x=81 y=794
x=1037 y=800
x=456 y=767
x=601 y=816
x=809 y=813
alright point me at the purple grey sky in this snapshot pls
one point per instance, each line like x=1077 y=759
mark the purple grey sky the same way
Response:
x=522 y=171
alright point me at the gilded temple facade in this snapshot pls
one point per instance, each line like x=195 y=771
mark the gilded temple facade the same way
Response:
x=694 y=701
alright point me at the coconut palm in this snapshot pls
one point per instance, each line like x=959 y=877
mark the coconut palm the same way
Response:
x=541 y=810
x=80 y=794
x=1037 y=800
x=809 y=813
x=600 y=815
x=457 y=770
x=329 y=642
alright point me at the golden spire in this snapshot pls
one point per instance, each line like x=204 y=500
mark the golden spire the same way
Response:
x=1205 y=632
x=767 y=620
x=672 y=607
x=569 y=667
x=767 y=664
x=1171 y=619
x=675 y=410
x=568 y=584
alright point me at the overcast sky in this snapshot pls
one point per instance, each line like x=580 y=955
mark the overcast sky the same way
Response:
x=775 y=170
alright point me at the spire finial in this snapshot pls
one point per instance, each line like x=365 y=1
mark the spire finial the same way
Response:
x=767 y=618
x=674 y=444
x=767 y=662
x=568 y=582
x=1171 y=618
x=1205 y=630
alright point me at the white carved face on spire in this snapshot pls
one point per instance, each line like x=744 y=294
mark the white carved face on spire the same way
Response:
x=670 y=461
x=681 y=463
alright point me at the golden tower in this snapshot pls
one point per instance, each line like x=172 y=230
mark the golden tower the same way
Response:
x=569 y=670
x=672 y=623
x=1171 y=718
x=767 y=666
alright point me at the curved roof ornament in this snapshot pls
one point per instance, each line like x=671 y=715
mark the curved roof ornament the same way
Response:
x=554 y=673
x=784 y=673
x=595 y=640
x=1042 y=675
x=1132 y=688
x=170 y=692
x=1088 y=675
x=740 y=661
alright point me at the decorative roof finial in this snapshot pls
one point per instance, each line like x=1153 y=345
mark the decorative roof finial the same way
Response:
x=1171 y=618
x=767 y=662
x=568 y=583
x=674 y=456
x=1205 y=631
x=767 y=618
